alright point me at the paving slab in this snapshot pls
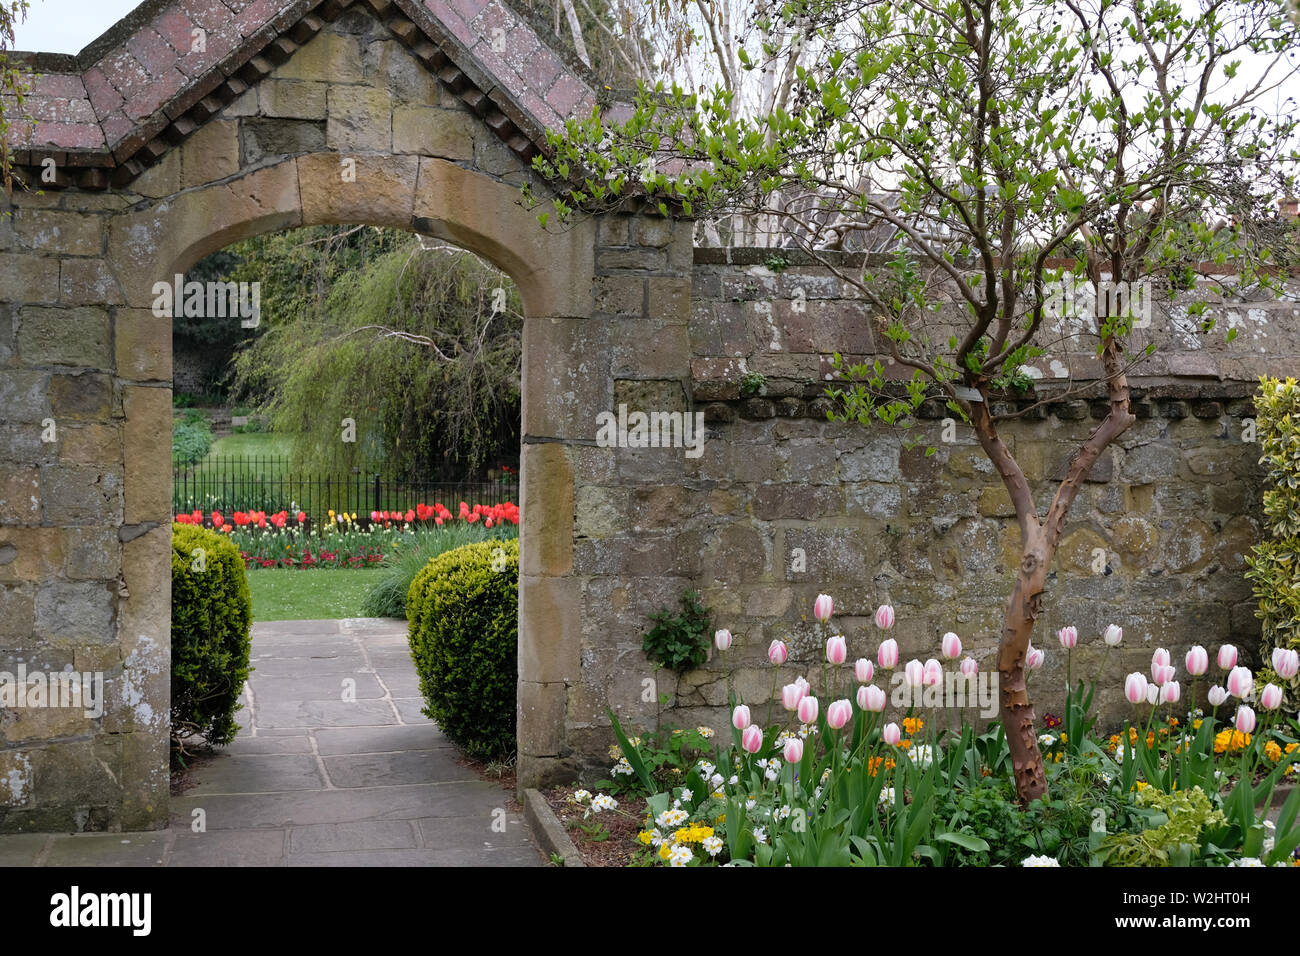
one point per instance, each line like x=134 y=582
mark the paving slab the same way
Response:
x=403 y=766
x=315 y=778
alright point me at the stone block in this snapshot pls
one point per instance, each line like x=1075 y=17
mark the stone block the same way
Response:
x=211 y=154
x=146 y=442
x=78 y=611
x=143 y=344
x=292 y=99
x=64 y=337
x=430 y=131
x=25 y=277
x=360 y=120
x=326 y=58
x=20 y=495
x=83 y=396
x=84 y=495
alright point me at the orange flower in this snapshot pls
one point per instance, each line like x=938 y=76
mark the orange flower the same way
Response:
x=913 y=725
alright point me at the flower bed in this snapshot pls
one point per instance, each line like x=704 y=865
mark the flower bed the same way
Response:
x=290 y=539
x=840 y=784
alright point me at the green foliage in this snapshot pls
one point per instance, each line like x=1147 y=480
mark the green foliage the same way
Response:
x=751 y=383
x=658 y=761
x=409 y=558
x=191 y=438
x=1174 y=834
x=1014 y=136
x=13 y=91
x=419 y=346
x=463 y=611
x=679 y=642
x=1275 y=563
x=211 y=621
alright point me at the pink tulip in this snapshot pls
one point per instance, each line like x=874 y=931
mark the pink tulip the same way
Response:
x=1162 y=674
x=1170 y=691
x=1245 y=720
x=1270 y=698
x=791 y=694
x=884 y=617
x=808 y=710
x=836 y=650
x=1227 y=657
x=863 y=670
x=891 y=734
x=1159 y=659
x=1135 y=688
x=1068 y=636
x=722 y=639
x=752 y=739
x=969 y=667
x=804 y=686
x=1240 y=683
x=740 y=717
x=777 y=652
x=1034 y=658
x=1286 y=662
x=823 y=607
x=1197 y=661
x=839 y=713
x=1153 y=694
x=951 y=646
x=793 y=752
x=1217 y=696
x=933 y=673
x=871 y=698
x=914 y=672
x=887 y=656
x=1113 y=635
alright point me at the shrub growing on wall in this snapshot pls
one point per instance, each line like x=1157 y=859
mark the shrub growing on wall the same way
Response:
x=212 y=614
x=463 y=610
x=1275 y=563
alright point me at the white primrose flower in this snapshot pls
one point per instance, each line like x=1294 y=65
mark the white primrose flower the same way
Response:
x=712 y=845
x=760 y=835
x=1040 y=861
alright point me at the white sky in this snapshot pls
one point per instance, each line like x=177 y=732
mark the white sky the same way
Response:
x=66 y=26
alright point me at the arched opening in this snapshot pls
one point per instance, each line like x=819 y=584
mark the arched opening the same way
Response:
x=432 y=198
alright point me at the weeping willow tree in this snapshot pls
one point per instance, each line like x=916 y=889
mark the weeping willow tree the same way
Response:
x=404 y=359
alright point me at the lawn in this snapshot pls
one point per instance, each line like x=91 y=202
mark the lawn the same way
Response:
x=293 y=594
x=251 y=445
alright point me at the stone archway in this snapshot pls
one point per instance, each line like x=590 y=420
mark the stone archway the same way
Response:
x=154 y=149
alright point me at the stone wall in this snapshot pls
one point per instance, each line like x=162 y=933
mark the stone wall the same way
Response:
x=403 y=114
x=371 y=113
x=784 y=505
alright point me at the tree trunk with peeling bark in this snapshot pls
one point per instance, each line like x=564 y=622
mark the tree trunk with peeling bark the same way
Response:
x=1039 y=541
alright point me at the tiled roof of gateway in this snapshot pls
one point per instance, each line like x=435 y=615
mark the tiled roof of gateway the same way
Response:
x=116 y=107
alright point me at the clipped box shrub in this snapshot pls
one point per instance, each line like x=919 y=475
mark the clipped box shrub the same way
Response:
x=1275 y=562
x=212 y=615
x=463 y=611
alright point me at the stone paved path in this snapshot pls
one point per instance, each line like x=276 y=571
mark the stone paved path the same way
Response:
x=319 y=775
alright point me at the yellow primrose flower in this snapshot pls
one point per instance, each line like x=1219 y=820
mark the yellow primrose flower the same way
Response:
x=645 y=836
x=664 y=850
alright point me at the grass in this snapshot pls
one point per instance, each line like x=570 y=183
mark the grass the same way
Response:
x=294 y=594
x=251 y=445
